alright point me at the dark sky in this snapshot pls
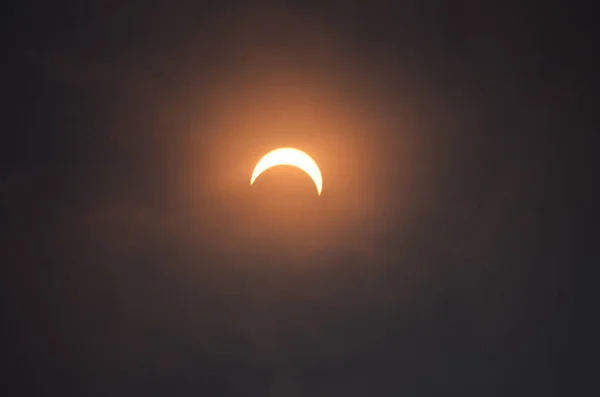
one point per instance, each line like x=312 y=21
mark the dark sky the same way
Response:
x=138 y=261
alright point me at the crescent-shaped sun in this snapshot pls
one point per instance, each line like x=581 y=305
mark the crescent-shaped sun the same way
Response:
x=289 y=156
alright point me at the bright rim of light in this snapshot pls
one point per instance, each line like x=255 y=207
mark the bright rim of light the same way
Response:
x=289 y=156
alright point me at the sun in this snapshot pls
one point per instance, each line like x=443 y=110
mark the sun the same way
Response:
x=289 y=156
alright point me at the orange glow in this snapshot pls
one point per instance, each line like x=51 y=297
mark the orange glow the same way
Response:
x=290 y=156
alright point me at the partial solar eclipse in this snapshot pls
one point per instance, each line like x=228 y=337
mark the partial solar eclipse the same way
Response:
x=289 y=156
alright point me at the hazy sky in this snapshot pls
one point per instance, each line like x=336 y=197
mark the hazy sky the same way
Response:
x=140 y=261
